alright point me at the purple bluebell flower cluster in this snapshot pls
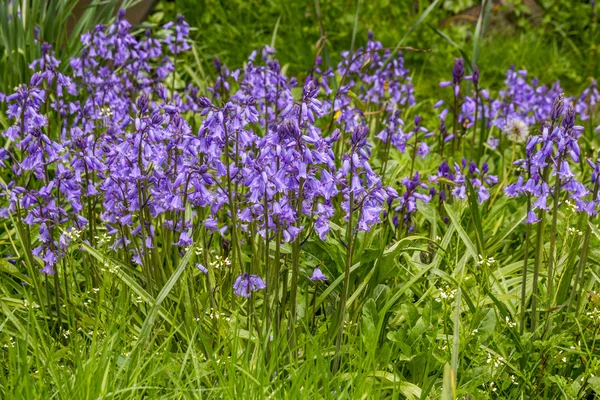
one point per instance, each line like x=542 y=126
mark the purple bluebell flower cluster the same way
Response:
x=111 y=148
x=112 y=144
x=453 y=181
x=554 y=152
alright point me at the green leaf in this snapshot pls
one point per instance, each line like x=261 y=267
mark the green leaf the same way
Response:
x=357 y=101
x=461 y=232
x=476 y=218
x=369 y=325
x=409 y=390
x=448 y=383
x=485 y=323
x=480 y=29
x=453 y=43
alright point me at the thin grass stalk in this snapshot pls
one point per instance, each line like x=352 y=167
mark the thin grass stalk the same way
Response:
x=386 y=156
x=582 y=261
x=284 y=288
x=25 y=240
x=456 y=332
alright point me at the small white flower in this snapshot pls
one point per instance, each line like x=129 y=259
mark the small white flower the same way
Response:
x=571 y=205
x=509 y=323
x=106 y=112
x=488 y=262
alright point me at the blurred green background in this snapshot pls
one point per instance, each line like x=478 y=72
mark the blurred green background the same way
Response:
x=552 y=39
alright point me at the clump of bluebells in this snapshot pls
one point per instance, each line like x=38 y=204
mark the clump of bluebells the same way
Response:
x=107 y=145
x=552 y=153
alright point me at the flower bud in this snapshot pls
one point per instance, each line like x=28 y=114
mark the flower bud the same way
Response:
x=142 y=103
x=569 y=119
x=458 y=71
x=558 y=107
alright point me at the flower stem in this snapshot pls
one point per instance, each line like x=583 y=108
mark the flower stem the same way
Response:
x=267 y=271
x=314 y=307
x=556 y=196
x=475 y=125
x=295 y=271
x=524 y=275
x=230 y=197
x=539 y=255
x=342 y=314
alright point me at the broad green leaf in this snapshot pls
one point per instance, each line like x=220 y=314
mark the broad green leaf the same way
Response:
x=369 y=324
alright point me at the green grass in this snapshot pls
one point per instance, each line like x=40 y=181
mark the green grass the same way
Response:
x=562 y=46
x=117 y=341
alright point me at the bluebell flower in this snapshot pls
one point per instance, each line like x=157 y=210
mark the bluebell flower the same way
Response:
x=245 y=284
x=317 y=275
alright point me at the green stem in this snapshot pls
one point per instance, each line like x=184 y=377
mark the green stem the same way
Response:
x=314 y=308
x=295 y=271
x=267 y=271
x=475 y=125
x=454 y=122
x=539 y=255
x=232 y=208
x=276 y=273
x=342 y=314
x=524 y=275
x=556 y=197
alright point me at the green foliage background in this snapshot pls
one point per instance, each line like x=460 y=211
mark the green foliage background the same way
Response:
x=558 y=44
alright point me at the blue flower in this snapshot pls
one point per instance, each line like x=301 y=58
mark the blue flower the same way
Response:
x=245 y=284
x=317 y=275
